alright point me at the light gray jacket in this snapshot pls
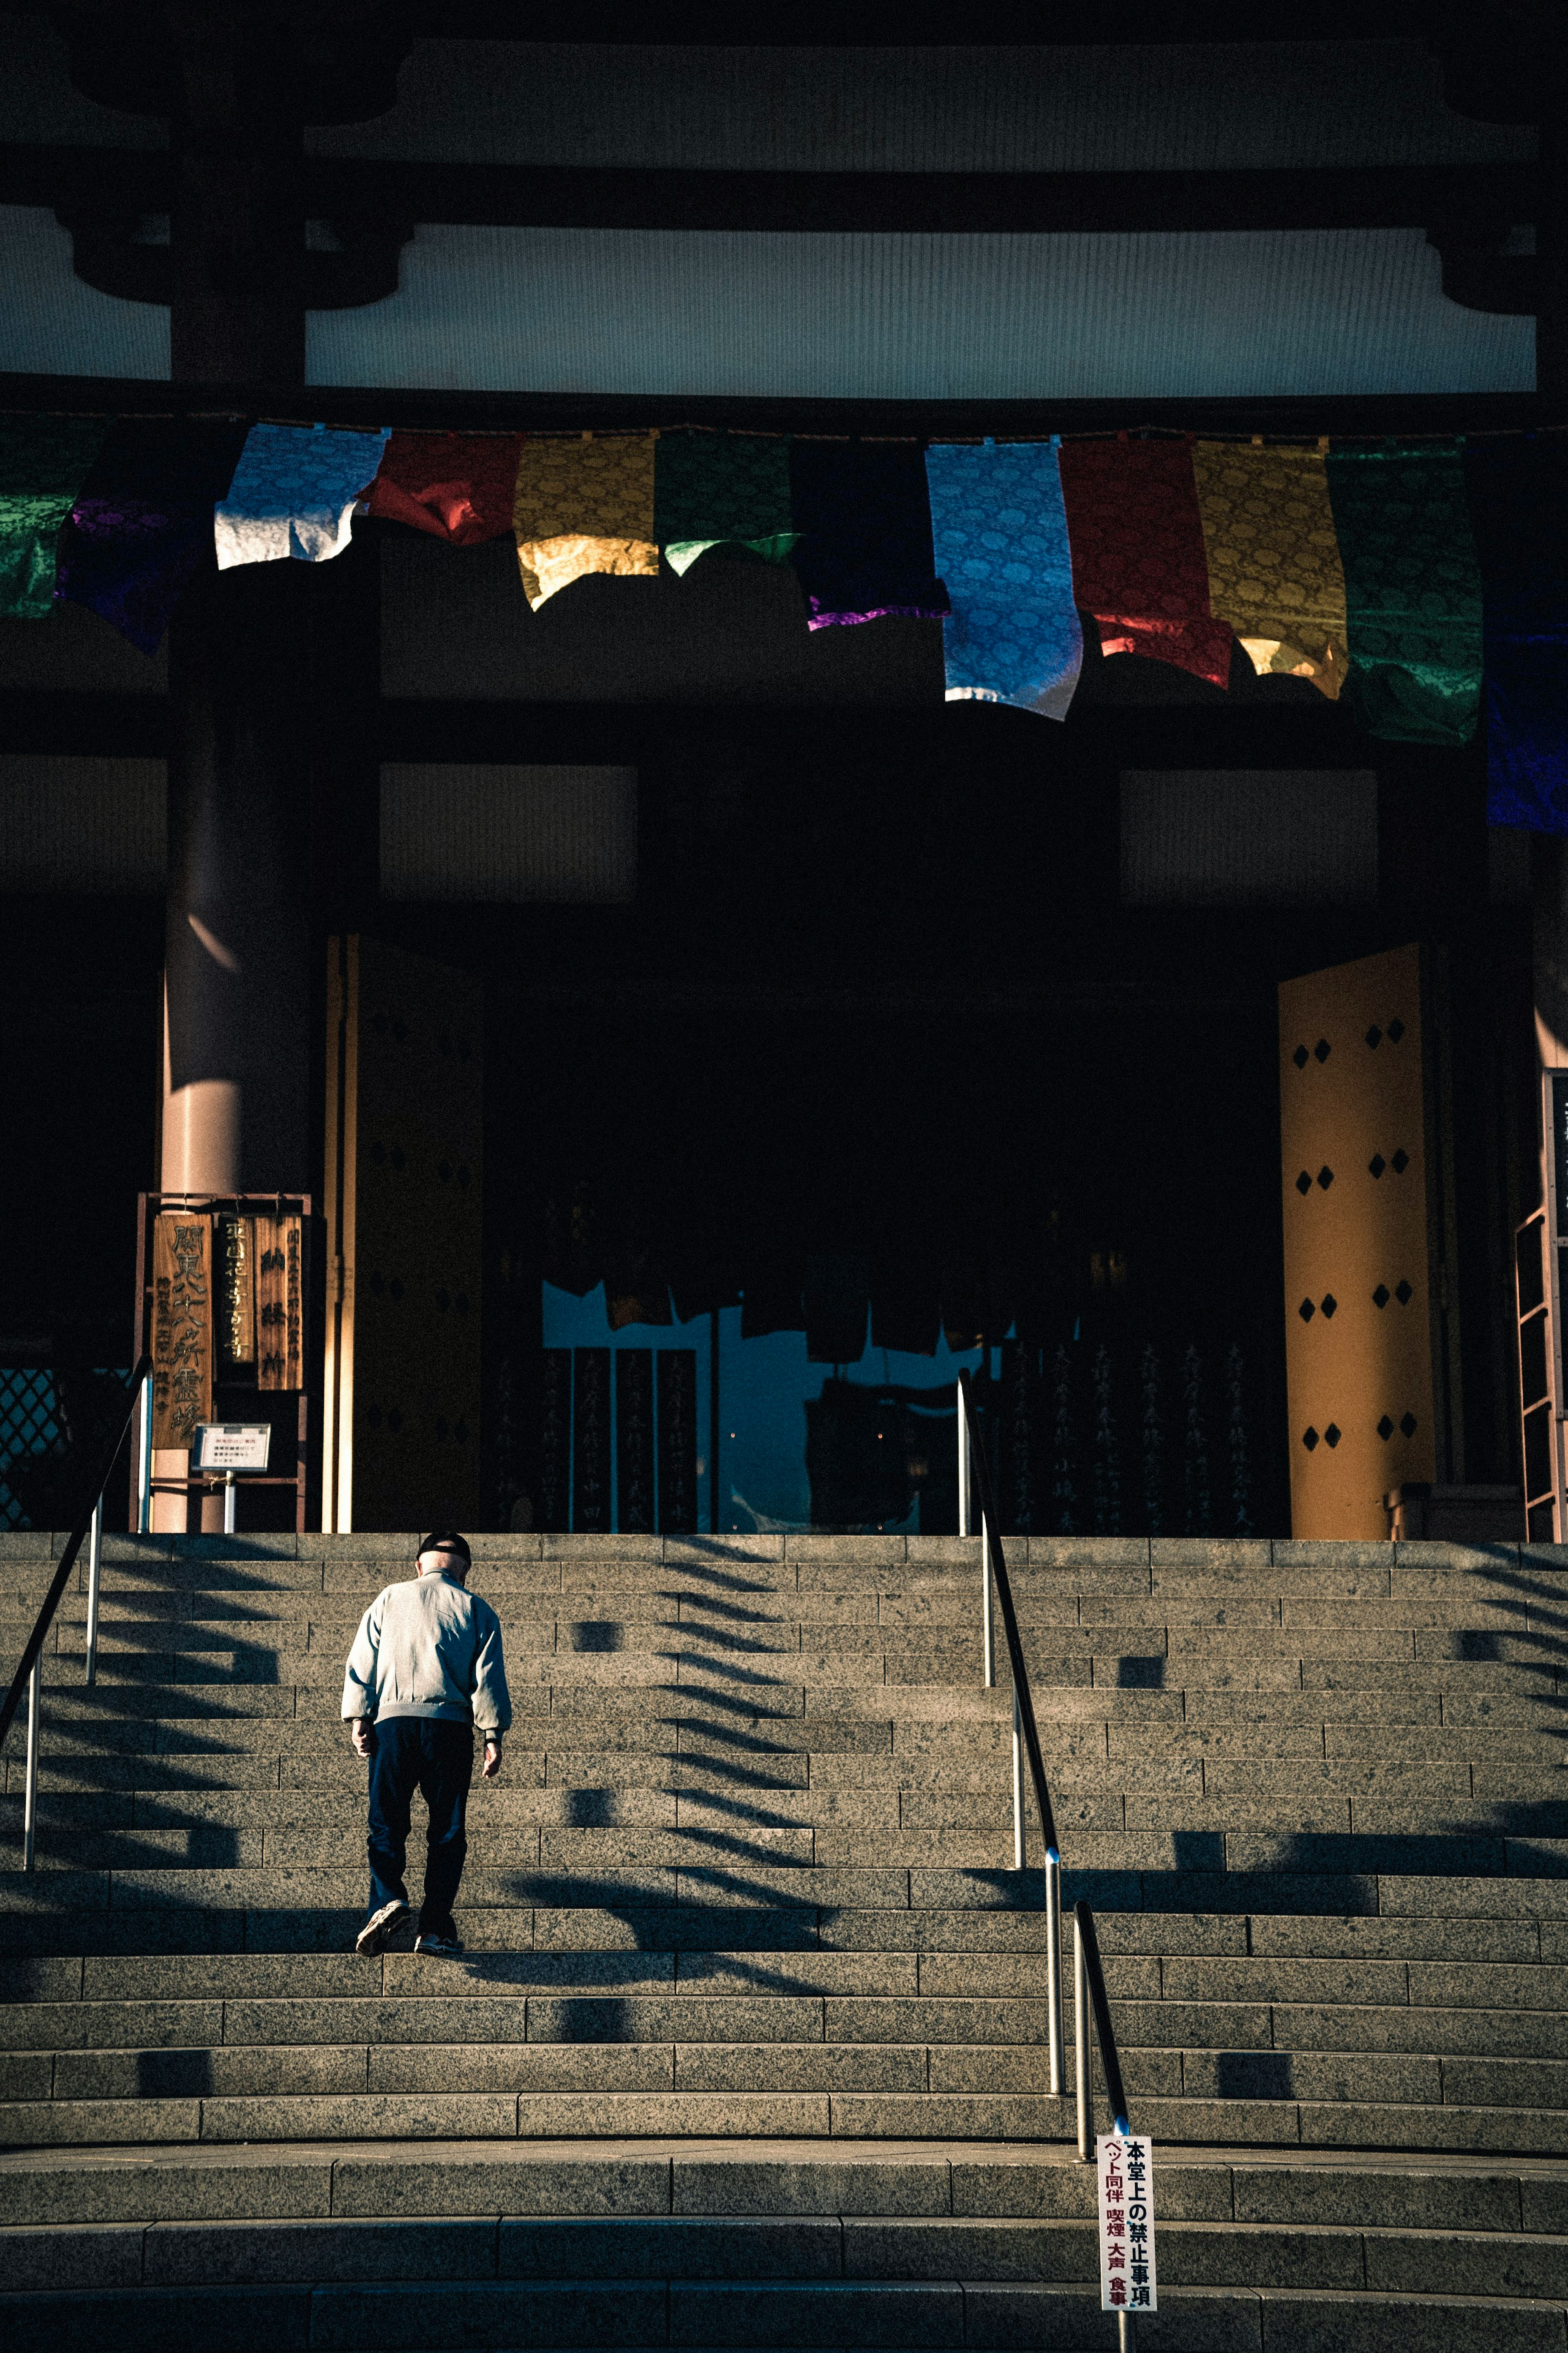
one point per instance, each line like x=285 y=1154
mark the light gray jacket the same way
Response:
x=428 y=1647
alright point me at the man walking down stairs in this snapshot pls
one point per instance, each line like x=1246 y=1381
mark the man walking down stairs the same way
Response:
x=747 y=2043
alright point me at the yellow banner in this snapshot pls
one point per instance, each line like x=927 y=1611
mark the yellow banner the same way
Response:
x=584 y=506
x=1274 y=557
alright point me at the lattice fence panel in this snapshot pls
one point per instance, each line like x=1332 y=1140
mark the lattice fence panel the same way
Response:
x=27 y=1427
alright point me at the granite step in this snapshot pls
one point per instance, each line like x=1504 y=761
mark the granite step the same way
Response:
x=661 y=2243
x=501 y=2061
x=604 y=2093
x=562 y=2316
x=653 y=2178
x=156 y=1911
x=1313 y=2257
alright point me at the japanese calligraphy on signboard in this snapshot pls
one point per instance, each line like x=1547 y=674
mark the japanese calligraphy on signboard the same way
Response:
x=280 y=1301
x=1126 y=2223
x=236 y=1287
x=182 y=1328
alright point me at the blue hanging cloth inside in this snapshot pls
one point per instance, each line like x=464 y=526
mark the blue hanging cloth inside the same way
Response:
x=1000 y=533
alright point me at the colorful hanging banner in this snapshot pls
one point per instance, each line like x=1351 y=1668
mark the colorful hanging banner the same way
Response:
x=460 y=487
x=999 y=533
x=863 y=513
x=294 y=492
x=584 y=506
x=43 y=463
x=1275 y=574
x=141 y=527
x=1138 y=560
x=1354 y=566
x=1413 y=590
x=1519 y=508
x=721 y=489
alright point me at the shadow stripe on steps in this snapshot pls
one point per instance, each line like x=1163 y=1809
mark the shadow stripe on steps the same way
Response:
x=858 y=2250
x=643 y=2318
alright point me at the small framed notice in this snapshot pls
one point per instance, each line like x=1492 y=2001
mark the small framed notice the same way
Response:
x=230 y=1445
x=1126 y=2170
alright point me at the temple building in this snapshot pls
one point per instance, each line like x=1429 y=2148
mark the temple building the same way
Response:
x=694 y=732
x=784 y=822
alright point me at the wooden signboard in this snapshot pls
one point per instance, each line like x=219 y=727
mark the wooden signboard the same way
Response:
x=236 y=1289
x=182 y=1328
x=280 y=1301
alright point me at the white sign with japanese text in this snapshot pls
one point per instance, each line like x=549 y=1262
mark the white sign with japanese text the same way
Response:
x=231 y=1445
x=1126 y=2223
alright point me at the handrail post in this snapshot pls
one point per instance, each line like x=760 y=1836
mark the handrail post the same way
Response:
x=1080 y=2043
x=1054 y=1965
x=988 y=1633
x=976 y=1483
x=145 y=1460
x=30 y=1798
x=94 y=1564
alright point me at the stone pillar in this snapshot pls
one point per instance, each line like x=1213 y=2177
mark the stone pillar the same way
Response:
x=236 y=82
x=237 y=1056
x=237 y=989
x=237 y=1048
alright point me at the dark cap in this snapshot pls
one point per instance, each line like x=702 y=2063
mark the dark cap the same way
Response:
x=446 y=1540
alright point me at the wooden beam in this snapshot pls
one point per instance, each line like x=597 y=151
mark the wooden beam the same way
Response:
x=105 y=196
x=1291 y=416
x=132 y=182
x=905 y=24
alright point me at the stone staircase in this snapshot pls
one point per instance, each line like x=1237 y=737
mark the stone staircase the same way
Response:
x=749 y=2041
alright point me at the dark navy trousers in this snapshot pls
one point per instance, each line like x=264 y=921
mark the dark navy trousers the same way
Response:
x=436 y=1758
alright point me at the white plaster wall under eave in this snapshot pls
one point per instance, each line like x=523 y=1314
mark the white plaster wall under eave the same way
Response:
x=51 y=324
x=1183 y=315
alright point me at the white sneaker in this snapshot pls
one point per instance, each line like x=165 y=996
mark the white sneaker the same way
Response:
x=439 y=1949
x=373 y=1938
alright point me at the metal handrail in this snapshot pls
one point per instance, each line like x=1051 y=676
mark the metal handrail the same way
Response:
x=1088 y=1980
x=974 y=1469
x=88 y=1530
x=1088 y=1971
